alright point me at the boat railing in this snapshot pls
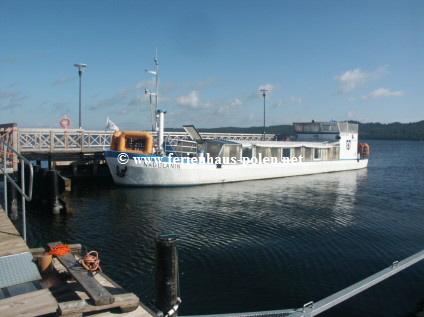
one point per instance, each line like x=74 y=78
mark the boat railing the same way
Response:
x=181 y=147
x=9 y=153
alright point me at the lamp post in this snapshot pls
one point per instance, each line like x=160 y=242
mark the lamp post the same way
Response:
x=264 y=95
x=80 y=71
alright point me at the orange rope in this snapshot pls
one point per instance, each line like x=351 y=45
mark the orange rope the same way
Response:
x=59 y=250
x=91 y=261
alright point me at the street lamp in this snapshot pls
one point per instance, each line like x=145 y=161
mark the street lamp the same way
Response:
x=264 y=95
x=80 y=71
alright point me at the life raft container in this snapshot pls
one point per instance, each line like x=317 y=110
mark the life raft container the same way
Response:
x=133 y=142
x=364 y=150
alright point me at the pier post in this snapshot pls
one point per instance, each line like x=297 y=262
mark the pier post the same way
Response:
x=42 y=184
x=53 y=192
x=36 y=188
x=167 y=274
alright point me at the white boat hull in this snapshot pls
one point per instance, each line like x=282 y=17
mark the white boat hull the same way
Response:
x=187 y=174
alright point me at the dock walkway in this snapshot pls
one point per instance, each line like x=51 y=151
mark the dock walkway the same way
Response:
x=34 y=296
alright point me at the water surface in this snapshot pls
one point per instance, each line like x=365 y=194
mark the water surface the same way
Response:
x=263 y=245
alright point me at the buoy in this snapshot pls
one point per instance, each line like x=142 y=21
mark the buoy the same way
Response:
x=65 y=122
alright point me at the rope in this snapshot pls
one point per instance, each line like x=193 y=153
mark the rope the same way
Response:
x=59 y=250
x=91 y=261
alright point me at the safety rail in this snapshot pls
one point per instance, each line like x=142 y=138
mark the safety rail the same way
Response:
x=59 y=140
x=76 y=140
x=180 y=147
x=8 y=150
x=222 y=136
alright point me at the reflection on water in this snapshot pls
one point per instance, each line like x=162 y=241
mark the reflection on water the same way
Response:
x=262 y=245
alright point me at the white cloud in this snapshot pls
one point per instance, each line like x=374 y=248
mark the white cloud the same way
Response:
x=148 y=83
x=229 y=107
x=192 y=100
x=354 y=78
x=296 y=100
x=382 y=92
x=62 y=80
x=279 y=104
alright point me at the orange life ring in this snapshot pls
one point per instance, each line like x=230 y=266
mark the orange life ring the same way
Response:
x=65 y=123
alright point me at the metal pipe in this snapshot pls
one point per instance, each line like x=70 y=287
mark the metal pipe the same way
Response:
x=23 y=199
x=25 y=195
x=5 y=178
x=80 y=76
x=264 y=95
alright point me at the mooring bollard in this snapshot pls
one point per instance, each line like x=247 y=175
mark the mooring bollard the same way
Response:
x=53 y=192
x=167 y=274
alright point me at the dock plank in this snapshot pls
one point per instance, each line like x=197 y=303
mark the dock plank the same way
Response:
x=36 y=303
x=10 y=239
x=91 y=286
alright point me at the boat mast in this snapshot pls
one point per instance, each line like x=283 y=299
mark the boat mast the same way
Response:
x=157 y=85
x=156 y=93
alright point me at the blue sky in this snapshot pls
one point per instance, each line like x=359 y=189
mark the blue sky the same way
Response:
x=321 y=60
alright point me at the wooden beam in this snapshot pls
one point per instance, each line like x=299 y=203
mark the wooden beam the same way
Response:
x=98 y=294
x=127 y=302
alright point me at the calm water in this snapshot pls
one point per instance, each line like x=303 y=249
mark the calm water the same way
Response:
x=263 y=245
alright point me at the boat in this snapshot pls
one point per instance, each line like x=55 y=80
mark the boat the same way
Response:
x=315 y=147
x=157 y=158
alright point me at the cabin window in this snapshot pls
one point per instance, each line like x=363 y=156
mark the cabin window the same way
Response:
x=326 y=154
x=317 y=154
x=335 y=154
x=247 y=152
x=298 y=128
x=329 y=127
x=135 y=144
x=264 y=151
x=297 y=152
x=307 y=156
x=286 y=152
x=275 y=154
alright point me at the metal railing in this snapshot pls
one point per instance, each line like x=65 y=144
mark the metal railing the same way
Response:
x=8 y=150
x=180 y=147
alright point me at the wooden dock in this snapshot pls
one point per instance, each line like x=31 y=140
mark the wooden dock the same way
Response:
x=51 y=296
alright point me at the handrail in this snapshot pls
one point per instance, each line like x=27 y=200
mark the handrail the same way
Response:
x=35 y=140
x=25 y=196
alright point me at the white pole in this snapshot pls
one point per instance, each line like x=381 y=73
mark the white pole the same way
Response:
x=161 y=119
